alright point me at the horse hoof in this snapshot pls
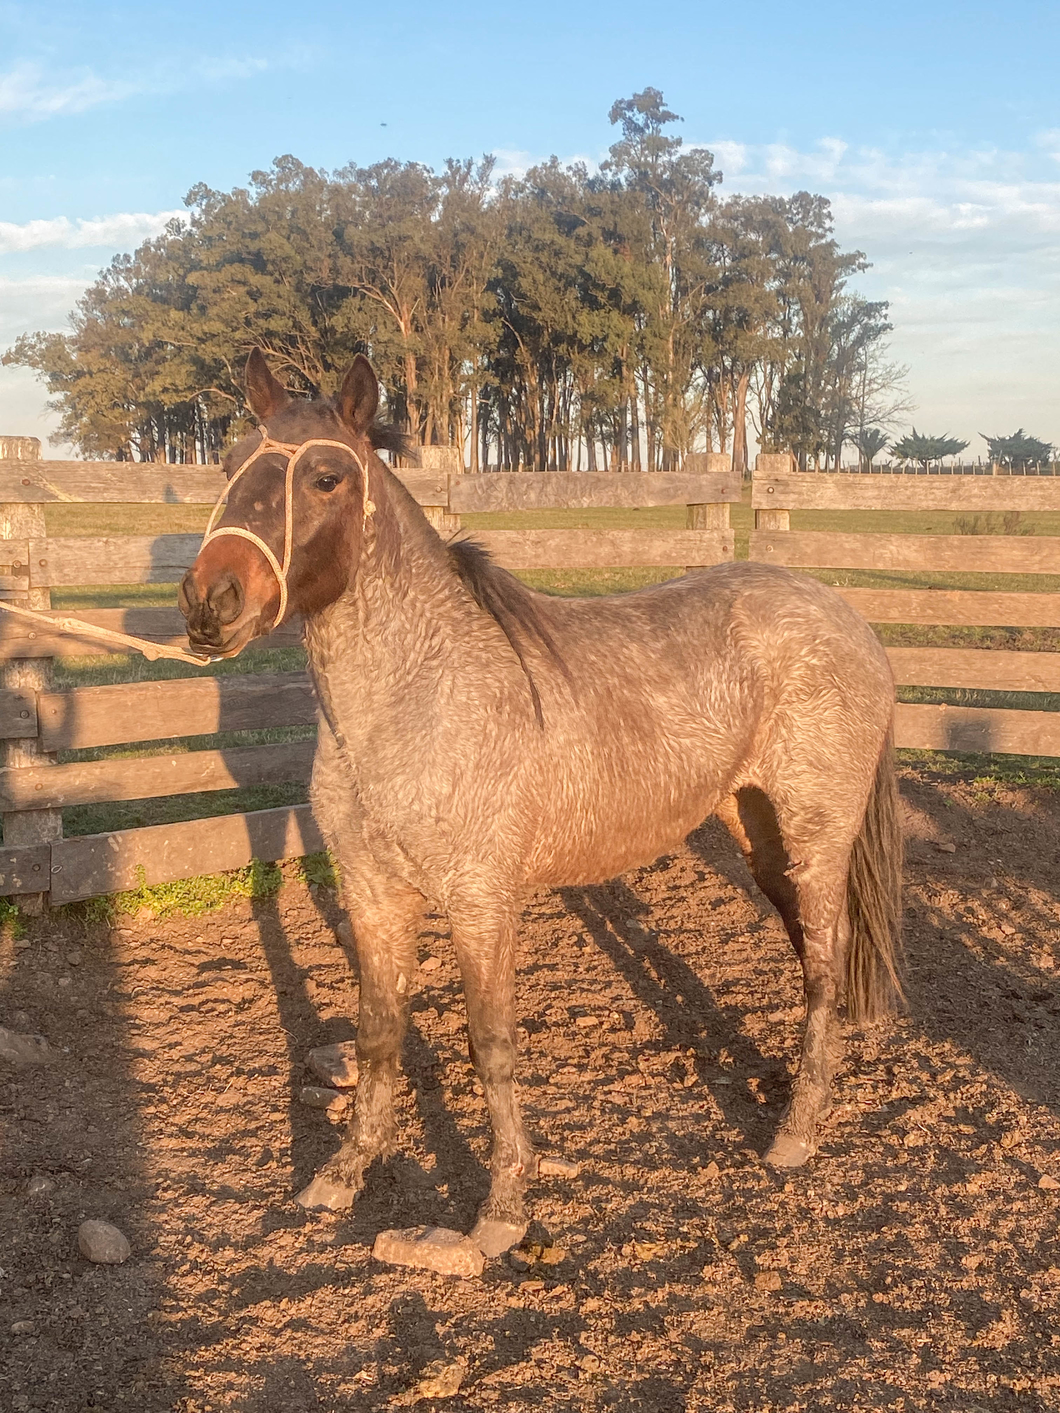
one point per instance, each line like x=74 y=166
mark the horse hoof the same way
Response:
x=324 y=1195
x=494 y=1238
x=788 y=1152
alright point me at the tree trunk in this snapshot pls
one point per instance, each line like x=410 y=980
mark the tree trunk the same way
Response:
x=739 y=428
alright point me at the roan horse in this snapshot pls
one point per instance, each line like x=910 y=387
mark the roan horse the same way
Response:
x=478 y=739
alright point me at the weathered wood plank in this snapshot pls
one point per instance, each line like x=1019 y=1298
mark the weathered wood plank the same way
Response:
x=96 y=864
x=581 y=490
x=114 y=559
x=18 y=714
x=977 y=730
x=984 y=668
x=956 y=607
x=25 y=870
x=600 y=549
x=989 y=554
x=148 y=483
x=21 y=638
x=144 y=777
x=191 y=706
x=961 y=494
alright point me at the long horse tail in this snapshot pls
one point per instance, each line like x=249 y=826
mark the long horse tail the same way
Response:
x=874 y=901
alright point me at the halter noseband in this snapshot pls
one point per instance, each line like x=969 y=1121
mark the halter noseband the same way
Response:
x=292 y=451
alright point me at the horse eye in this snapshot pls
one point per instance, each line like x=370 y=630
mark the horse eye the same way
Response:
x=328 y=483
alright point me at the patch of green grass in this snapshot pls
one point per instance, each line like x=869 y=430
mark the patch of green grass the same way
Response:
x=986 y=772
x=177 y=809
x=67 y=519
x=188 y=897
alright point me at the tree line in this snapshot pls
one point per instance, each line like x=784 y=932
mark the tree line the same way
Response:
x=561 y=320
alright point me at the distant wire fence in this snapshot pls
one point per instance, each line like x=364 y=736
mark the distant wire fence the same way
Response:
x=219 y=713
x=978 y=468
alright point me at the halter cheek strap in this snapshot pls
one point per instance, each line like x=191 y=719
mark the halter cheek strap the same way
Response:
x=292 y=452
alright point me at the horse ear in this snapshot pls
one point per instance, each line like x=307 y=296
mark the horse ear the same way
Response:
x=358 y=399
x=264 y=393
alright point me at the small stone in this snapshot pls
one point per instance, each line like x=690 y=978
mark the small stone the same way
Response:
x=1048 y=1183
x=1007 y=929
x=768 y=1280
x=22 y=944
x=590 y=1363
x=450 y=1253
x=946 y=848
x=441 y=1379
x=430 y=963
x=712 y=1170
x=23 y=1327
x=520 y=1259
x=40 y=1185
x=915 y=1139
x=100 y=1242
x=73 y=959
x=586 y=1022
x=23 y=1049
x=558 y=1167
x=552 y=1255
x=317 y=1098
x=336 y=1064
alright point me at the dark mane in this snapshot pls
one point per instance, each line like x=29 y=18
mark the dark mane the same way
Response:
x=387 y=436
x=511 y=603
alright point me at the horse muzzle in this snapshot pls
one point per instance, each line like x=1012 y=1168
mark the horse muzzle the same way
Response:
x=226 y=599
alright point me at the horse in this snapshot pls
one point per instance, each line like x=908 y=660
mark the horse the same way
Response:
x=478 y=740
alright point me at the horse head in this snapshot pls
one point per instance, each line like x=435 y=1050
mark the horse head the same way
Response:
x=289 y=537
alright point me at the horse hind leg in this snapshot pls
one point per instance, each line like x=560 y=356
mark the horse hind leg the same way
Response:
x=808 y=887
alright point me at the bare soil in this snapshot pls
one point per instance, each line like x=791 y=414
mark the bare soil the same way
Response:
x=913 y=1264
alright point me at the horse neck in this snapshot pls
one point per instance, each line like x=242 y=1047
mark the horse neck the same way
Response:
x=367 y=647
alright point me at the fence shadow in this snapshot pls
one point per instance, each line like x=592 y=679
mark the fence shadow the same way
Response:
x=75 y=1126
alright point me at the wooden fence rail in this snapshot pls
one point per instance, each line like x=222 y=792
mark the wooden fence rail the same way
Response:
x=38 y=722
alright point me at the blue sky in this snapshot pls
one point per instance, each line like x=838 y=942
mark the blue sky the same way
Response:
x=934 y=128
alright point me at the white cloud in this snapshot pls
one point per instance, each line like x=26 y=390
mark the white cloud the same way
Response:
x=28 y=93
x=966 y=247
x=39 y=302
x=123 y=230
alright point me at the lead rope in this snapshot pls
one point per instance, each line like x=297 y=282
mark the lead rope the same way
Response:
x=153 y=651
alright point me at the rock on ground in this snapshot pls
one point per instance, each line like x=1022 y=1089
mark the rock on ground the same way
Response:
x=439 y=1249
x=557 y=1167
x=100 y=1242
x=336 y=1064
x=317 y=1098
x=440 y=1379
x=23 y=1049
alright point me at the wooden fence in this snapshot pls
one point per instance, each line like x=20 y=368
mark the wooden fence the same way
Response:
x=37 y=722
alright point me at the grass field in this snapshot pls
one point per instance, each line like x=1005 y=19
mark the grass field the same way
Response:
x=107 y=519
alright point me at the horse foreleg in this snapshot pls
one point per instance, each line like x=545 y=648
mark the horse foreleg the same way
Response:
x=386 y=916
x=485 y=949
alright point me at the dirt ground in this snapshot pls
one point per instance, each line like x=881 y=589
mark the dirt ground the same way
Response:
x=912 y=1265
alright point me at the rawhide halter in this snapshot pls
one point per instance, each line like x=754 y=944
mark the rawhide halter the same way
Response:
x=292 y=451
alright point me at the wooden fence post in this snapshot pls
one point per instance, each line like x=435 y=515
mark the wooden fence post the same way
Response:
x=23 y=523
x=767 y=464
x=450 y=461
x=708 y=517
x=713 y=516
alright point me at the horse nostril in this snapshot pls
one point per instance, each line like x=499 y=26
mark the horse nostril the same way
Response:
x=187 y=593
x=226 y=598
